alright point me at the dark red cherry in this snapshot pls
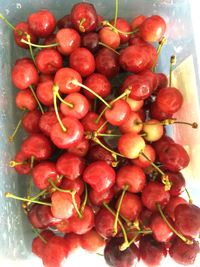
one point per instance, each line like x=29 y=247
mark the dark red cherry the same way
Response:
x=46 y=217
x=172 y=204
x=153 y=193
x=33 y=218
x=99 y=175
x=42 y=23
x=70 y=165
x=77 y=185
x=145 y=218
x=68 y=39
x=124 y=26
x=162 y=80
x=162 y=143
x=107 y=62
x=47 y=120
x=177 y=183
x=182 y=253
x=31 y=120
x=115 y=257
x=98 y=198
x=99 y=153
x=90 y=41
x=157 y=113
x=48 y=61
x=65 y=22
x=45 y=93
x=84 y=17
x=38 y=244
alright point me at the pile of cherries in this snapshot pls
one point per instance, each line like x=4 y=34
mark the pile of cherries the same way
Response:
x=95 y=112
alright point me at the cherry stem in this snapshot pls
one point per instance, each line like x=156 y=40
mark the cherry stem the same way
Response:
x=75 y=82
x=172 y=63
x=55 y=93
x=107 y=23
x=165 y=179
x=118 y=209
x=32 y=162
x=13 y=163
x=101 y=127
x=107 y=46
x=70 y=105
x=41 y=193
x=37 y=100
x=126 y=242
x=116 y=12
x=30 y=48
x=137 y=234
x=107 y=134
x=170 y=121
x=159 y=49
x=30 y=186
x=81 y=27
x=39 y=235
x=72 y=192
x=85 y=200
x=189 y=197
x=38 y=45
x=183 y=238
x=10 y=195
x=11 y=137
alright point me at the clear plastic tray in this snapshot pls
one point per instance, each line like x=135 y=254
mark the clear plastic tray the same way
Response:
x=15 y=233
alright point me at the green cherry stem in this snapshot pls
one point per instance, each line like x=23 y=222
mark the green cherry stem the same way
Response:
x=85 y=200
x=39 y=235
x=38 y=45
x=118 y=209
x=7 y=22
x=172 y=63
x=30 y=187
x=107 y=23
x=70 y=105
x=116 y=12
x=37 y=100
x=161 y=43
x=108 y=135
x=41 y=193
x=12 y=136
x=189 y=197
x=30 y=48
x=107 y=46
x=183 y=238
x=32 y=162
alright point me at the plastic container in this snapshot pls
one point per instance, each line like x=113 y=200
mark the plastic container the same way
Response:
x=15 y=233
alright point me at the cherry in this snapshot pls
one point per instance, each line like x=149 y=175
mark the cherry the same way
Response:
x=137 y=21
x=91 y=241
x=130 y=145
x=177 y=183
x=45 y=77
x=98 y=198
x=90 y=41
x=24 y=74
x=33 y=218
x=104 y=221
x=63 y=226
x=99 y=153
x=38 y=243
x=157 y=113
x=141 y=161
x=152 y=252
x=145 y=218
x=63 y=78
x=42 y=172
x=183 y=253
x=42 y=23
x=122 y=25
x=161 y=231
x=153 y=193
x=55 y=251
x=37 y=146
x=68 y=40
x=82 y=60
x=25 y=100
x=162 y=143
x=162 y=81
x=47 y=120
x=109 y=37
x=134 y=59
x=99 y=175
x=172 y=204
x=135 y=105
x=44 y=92
x=107 y=62
x=80 y=149
x=131 y=206
x=152 y=28
x=73 y=241
x=99 y=84
x=48 y=61
x=65 y=22
x=62 y=204
x=20 y=32
x=132 y=176
x=84 y=224
x=46 y=217
x=75 y=185
x=132 y=124
x=21 y=165
x=71 y=136
x=174 y=157
x=169 y=99
x=31 y=120
x=84 y=17
x=90 y=123
x=187 y=219
x=115 y=257
x=153 y=130
x=149 y=75
x=80 y=106
x=69 y=165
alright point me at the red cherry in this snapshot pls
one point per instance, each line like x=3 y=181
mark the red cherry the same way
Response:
x=99 y=84
x=38 y=244
x=32 y=217
x=141 y=161
x=63 y=78
x=80 y=149
x=42 y=23
x=145 y=218
x=82 y=225
x=47 y=120
x=89 y=122
x=65 y=22
x=132 y=124
x=84 y=17
x=80 y=106
x=90 y=41
x=151 y=76
x=172 y=204
x=153 y=193
x=73 y=241
x=72 y=136
x=45 y=93
x=25 y=100
x=124 y=26
x=82 y=60
x=24 y=74
x=162 y=80
x=62 y=205
x=107 y=62
x=97 y=152
x=42 y=172
x=137 y=21
x=162 y=143
x=24 y=168
x=46 y=217
x=71 y=166
x=31 y=120
x=38 y=146
x=132 y=176
x=77 y=185
x=21 y=31
x=177 y=183
x=91 y=241
x=99 y=175
x=157 y=113
x=131 y=206
x=48 y=61
x=152 y=29
x=63 y=226
x=68 y=39
x=109 y=37
x=98 y=198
